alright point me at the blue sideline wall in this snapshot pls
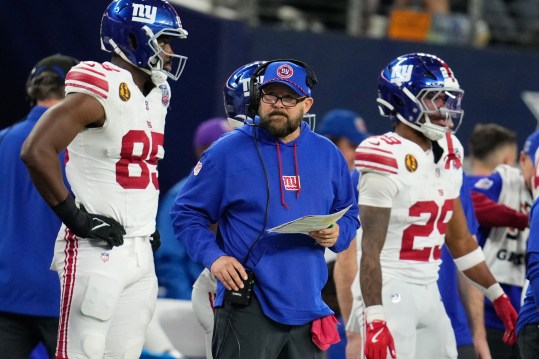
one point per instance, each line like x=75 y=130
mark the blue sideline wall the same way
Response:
x=347 y=69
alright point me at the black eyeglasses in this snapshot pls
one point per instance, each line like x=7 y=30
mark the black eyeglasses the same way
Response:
x=287 y=101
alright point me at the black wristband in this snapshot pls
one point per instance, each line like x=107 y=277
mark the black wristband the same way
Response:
x=76 y=220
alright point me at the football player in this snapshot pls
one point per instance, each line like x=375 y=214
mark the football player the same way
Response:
x=409 y=204
x=112 y=123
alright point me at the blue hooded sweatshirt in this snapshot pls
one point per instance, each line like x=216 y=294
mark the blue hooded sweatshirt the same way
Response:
x=231 y=185
x=29 y=230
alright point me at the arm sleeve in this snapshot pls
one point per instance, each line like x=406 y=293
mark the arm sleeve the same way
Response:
x=349 y=223
x=377 y=190
x=492 y=214
x=197 y=206
x=533 y=274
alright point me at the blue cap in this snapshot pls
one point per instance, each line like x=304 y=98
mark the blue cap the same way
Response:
x=531 y=145
x=288 y=73
x=344 y=123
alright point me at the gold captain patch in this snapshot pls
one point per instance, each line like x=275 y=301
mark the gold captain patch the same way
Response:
x=125 y=94
x=411 y=163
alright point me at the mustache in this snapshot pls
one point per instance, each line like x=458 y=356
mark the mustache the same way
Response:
x=278 y=113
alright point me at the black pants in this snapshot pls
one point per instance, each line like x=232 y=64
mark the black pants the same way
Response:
x=528 y=341
x=19 y=334
x=498 y=349
x=466 y=352
x=244 y=332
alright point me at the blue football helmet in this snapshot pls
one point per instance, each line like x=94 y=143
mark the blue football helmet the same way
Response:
x=236 y=92
x=131 y=28
x=418 y=88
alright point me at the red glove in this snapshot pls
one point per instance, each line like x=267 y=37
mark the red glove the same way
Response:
x=378 y=340
x=505 y=311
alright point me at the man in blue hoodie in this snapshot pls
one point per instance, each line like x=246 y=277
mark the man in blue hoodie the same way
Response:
x=272 y=170
x=30 y=296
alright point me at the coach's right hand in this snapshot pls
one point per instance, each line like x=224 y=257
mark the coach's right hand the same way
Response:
x=230 y=272
x=89 y=225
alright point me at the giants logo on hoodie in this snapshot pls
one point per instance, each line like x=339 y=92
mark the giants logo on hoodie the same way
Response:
x=291 y=183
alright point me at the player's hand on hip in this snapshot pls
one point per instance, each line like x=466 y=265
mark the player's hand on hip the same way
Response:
x=505 y=311
x=326 y=237
x=378 y=340
x=103 y=228
x=89 y=225
x=230 y=272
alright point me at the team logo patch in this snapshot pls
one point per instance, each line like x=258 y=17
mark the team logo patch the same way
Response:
x=411 y=163
x=484 y=183
x=125 y=93
x=105 y=257
x=285 y=71
x=396 y=298
x=291 y=183
x=165 y=94
x=197 y=168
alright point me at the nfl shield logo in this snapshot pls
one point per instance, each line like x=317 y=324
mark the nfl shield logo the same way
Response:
x=105 y=257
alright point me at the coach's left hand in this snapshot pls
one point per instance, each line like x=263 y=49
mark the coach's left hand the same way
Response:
x=326 y=237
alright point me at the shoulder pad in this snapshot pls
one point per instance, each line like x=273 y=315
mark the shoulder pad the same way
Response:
x=378 y=154
x=89 y=77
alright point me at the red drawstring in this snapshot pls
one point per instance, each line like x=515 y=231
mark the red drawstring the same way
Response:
x=451 y=157
x=280 y=175
x=297 y=170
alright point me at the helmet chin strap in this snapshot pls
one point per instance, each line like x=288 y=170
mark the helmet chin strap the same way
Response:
x=119 y=52
x=157 y=76
x=431 y=131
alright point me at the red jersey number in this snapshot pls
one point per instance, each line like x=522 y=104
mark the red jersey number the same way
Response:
x=437 y=216
x=145 y=157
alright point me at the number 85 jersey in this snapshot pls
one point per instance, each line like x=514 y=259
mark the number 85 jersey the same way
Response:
x=420 y=194
x=112 y=169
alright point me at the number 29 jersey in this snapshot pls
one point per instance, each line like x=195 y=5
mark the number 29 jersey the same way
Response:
x=421 y=201
x=112 y=169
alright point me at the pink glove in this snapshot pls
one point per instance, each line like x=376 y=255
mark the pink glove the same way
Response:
x=378 y=340
x=505 y=311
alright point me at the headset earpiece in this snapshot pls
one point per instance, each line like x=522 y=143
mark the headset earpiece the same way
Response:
x=254 y=93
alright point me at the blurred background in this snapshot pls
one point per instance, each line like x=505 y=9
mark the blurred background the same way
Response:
x=491 y=45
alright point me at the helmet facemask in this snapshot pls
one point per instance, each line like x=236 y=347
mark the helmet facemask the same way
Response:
x=156 y=62
x=439 y=105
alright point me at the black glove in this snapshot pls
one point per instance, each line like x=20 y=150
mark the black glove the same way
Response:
x=89 y=225
x=155 y=240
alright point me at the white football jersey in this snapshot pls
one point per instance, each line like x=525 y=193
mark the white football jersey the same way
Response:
x=422 y=206
x=112 y=169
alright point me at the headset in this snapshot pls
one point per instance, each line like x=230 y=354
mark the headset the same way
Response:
x=254 y=92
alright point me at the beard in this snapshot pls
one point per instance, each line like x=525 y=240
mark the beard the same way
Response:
x=274 y=123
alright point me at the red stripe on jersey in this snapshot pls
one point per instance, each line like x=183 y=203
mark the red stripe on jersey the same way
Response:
x=68 y=285
x=90 y=69
x=211 y=297
x=377 y=159
x=379 y=169
x=89 y=79
x=98 y=93
x=372 y=149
